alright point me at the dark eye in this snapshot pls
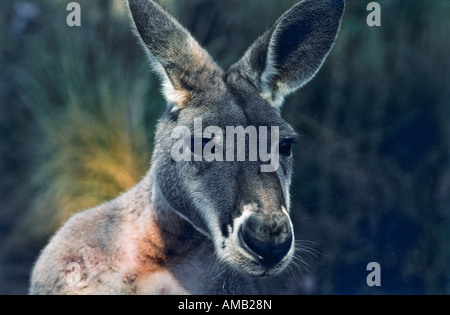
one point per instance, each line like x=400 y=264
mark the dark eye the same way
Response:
x=202 y=141
x=286 y=147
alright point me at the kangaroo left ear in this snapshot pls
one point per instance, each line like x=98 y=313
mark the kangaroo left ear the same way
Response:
x=290 y=53
x=185 y=67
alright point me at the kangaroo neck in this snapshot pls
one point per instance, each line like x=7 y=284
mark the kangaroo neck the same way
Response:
x=166 y=231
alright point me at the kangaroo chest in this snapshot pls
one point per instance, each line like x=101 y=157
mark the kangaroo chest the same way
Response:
x=157 y=283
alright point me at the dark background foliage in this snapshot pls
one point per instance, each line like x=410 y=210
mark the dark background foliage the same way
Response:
x=78 y=108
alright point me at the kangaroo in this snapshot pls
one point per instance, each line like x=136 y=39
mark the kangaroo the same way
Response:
x=199 y=227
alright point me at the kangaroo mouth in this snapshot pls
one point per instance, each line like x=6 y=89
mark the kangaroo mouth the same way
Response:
x=258 y=267
x=255 y=258
x=267 y=254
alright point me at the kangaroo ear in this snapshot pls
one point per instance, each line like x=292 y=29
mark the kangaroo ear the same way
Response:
x=290 y=53
x=185 y=68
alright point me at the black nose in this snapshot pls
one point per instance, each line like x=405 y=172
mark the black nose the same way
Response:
x=268 y=245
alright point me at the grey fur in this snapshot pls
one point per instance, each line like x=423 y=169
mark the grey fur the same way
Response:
x=198 y=227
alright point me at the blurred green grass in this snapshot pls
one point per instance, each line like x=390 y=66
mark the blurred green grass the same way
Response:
x=78 y=108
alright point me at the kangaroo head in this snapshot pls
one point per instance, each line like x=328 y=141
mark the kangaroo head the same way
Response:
x=236 y=202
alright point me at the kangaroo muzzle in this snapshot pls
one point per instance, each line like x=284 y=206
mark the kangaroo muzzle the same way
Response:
x=267 y=241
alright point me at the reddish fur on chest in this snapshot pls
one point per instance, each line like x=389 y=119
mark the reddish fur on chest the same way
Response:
x=152 y=255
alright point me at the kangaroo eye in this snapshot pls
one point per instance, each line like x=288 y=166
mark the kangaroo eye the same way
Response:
x=205 y=141
x=286 y=147
x=202 y=141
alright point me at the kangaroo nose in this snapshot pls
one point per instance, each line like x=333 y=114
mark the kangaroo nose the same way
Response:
x=268 y=244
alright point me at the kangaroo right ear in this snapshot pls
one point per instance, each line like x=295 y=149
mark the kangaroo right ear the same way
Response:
x=184 y=66
x=289 y=54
